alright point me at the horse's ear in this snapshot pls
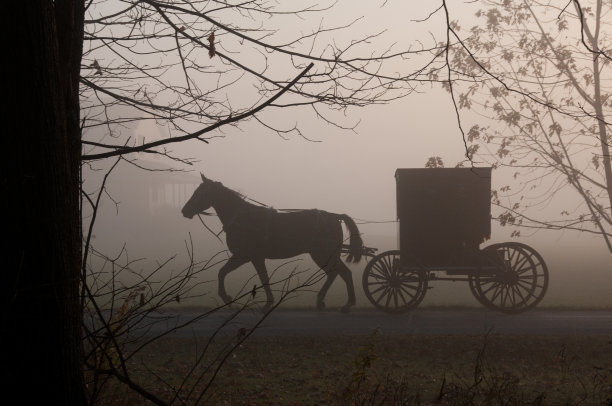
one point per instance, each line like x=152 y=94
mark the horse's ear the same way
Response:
x=203 y=177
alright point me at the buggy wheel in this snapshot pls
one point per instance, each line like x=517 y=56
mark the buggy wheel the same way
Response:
x=390 y=288
x=520 y=282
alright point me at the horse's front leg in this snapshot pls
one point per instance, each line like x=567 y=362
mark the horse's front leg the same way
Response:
x=260 y=267
x=231 y=264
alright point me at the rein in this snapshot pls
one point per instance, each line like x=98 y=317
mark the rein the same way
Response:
x=246 y=198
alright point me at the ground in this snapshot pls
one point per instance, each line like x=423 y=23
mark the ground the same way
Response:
x=375 y=368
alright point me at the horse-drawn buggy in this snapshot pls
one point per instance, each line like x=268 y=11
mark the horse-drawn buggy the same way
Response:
x=444 y=216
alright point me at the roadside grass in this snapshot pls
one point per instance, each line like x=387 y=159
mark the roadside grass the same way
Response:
x=377 y=369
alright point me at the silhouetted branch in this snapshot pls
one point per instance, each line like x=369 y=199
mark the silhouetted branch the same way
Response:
x=585 y=28
x=449 y=30
x=197 y=134
x=547 y=98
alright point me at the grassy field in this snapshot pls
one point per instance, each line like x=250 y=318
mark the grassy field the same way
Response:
x=375 y=369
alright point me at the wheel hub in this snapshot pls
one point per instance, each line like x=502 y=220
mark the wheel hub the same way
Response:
x=509 y=278
x=394 y=281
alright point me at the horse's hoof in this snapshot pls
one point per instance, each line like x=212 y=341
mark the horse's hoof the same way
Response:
x=226 y=299
x=321 y=306
x=345 y=309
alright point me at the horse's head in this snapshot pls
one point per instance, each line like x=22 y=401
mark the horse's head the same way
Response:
x=201 y=199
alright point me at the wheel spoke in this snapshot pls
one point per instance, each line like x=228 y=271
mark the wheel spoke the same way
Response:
x=375 y=283
x=510 y=253
x=520 y=284
x=533 y=276
x=404 y=287
x=519 y=268
x=390 y=288
x=384 y=293
x=380 y=278
x=498 y=291
x=519 y=293
x=510 y=295
x=495 y=285
x=389 y=297
x=525 y=285
x=379 y=289
x=383 y=270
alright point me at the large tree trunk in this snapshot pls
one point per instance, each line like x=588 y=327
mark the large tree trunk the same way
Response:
x=41 y=314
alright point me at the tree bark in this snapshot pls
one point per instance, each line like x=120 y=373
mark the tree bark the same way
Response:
x=41 y=316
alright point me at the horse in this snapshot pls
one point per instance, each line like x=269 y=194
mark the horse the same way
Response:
x=255 y=233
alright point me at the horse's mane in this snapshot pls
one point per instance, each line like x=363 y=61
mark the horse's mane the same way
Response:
x=224 y=192
x=230 y=194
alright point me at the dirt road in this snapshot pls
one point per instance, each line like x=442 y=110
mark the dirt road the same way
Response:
x=418 y=322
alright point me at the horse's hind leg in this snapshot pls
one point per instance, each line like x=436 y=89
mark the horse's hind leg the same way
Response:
x=334 y=266
x=347 y=276
x=331 y=276
x=260 y=267
x=231 y=264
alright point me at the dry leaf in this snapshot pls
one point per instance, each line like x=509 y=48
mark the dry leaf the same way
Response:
x=211 y=41
x=97 y=67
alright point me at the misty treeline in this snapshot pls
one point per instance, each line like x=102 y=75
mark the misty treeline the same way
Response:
x=96 y=69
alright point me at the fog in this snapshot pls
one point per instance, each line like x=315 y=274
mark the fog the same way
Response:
x=350 y=173
x=329 y=168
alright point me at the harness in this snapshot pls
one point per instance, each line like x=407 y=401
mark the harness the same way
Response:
x=266 y=224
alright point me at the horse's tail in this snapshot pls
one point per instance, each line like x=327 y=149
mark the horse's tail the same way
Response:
x=356 y=243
